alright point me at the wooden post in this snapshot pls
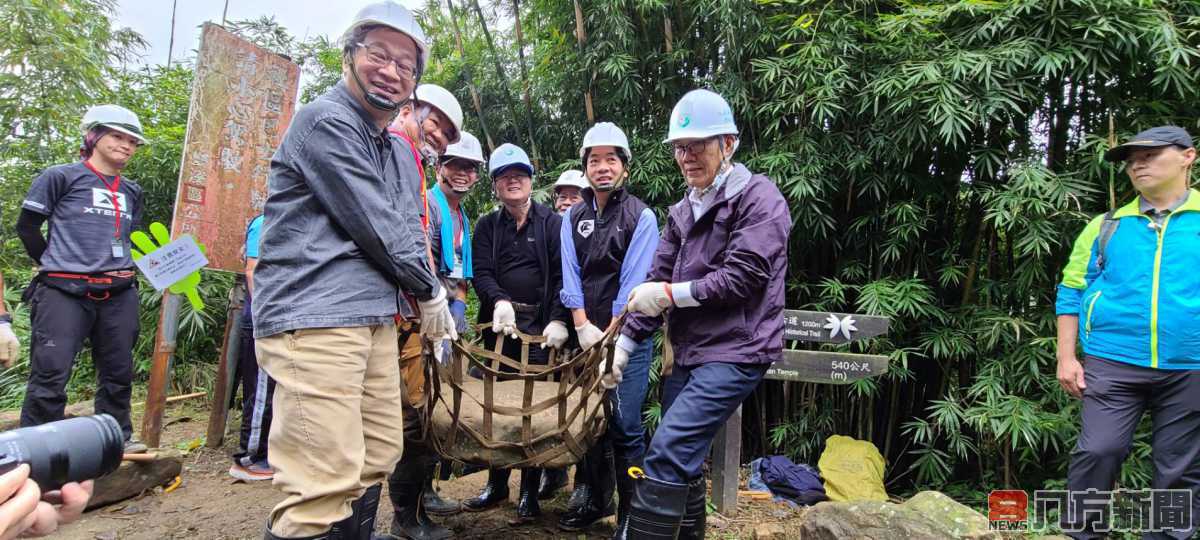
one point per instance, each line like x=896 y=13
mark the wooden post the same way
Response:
x=726 y=459
x=164 y=350
x=231 y=352
x=820 y=367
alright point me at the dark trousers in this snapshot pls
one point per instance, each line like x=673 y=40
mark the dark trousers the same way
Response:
x=258 y=388
x=1116 y=396
x=61 y=322
x=697 y=400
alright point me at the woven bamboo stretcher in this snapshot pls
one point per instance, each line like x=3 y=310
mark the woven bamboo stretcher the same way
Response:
x=526 y=416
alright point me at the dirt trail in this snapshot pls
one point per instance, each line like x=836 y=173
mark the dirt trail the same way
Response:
x=211 y=505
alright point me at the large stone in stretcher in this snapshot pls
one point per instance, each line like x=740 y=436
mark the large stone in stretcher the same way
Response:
x=517 y=440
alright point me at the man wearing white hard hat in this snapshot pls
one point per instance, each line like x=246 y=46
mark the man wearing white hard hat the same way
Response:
x=86 y=285
x=517 y=279
x=341 y=240
x=608 y=240
x=410 y=487
x=568 y=190
x=718 y=276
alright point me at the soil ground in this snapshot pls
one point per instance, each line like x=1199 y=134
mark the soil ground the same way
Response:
x=211 y=505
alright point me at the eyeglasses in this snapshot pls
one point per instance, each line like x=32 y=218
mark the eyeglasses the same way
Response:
x=378 y=56
x=693 y=148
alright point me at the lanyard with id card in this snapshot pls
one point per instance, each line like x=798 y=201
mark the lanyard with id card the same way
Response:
x=117 y=246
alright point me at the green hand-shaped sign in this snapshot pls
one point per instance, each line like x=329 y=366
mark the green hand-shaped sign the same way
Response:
x=185 y=286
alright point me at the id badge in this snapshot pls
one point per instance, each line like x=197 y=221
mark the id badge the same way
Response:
x=118 y=249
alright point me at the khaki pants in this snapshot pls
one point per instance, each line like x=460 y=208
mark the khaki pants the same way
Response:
x=338 y=426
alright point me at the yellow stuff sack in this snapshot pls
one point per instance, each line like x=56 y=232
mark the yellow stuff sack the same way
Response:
x=852 y=469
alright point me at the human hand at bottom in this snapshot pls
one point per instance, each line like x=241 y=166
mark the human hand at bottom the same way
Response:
x=25 y=513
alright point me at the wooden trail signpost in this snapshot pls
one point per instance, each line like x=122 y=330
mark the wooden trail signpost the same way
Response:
x=242 y=102
x=820 y=367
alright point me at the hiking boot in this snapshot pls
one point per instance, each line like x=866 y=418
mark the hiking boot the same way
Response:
x=134 y=446
x=493 y=494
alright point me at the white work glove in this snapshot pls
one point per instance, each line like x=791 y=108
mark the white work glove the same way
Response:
x=650 y=298
x=10 y=347
x=556 y=335
x=437 y=323
x=619 y=361
x=589 y=335
x=504 y=318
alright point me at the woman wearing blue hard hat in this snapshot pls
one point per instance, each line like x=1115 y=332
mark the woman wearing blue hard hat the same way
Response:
x=718 y=275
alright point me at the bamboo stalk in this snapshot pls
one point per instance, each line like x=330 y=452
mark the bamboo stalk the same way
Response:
x=458 y=40
x=487 y=36
x=580 y=38
x=516 y=5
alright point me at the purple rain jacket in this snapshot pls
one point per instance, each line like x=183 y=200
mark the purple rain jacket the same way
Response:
x=735 y=257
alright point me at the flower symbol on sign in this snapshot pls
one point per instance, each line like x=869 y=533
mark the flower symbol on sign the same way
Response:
x=841 y=326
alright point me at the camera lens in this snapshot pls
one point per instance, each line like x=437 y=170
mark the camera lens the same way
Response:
x=70 y=450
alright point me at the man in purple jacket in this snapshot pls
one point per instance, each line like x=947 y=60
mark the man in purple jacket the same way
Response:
x=718 y=274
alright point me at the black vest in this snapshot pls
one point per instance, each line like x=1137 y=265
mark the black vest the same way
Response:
x=600 y=246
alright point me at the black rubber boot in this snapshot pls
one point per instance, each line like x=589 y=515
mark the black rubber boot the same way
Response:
x=361 y=523
x=598 y=502
x=431 y=500
x=409 y=519
x=268 y=535
x=624 y=484
x=552 y=481
x=695 y=514
x=580 y=492
x=493 y=494
x=656 y=511
x=528 y=508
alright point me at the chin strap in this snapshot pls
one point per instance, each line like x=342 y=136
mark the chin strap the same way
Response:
x=375 y=100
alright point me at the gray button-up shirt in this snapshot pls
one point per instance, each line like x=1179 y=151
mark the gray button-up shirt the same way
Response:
x=342 y=234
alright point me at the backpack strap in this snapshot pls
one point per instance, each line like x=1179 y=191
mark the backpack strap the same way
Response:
x=1107 y=228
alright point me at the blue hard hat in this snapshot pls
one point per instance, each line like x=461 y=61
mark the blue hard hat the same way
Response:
x=508 y=155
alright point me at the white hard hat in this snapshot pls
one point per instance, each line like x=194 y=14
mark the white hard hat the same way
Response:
x=444 y=101
x=605 y=134
x=396 y=17
x=467 y=148
x=701 y=114
x=115 y=117
x=571 y=178
x=506 y=155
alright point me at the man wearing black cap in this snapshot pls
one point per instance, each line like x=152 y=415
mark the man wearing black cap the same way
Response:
x=1129 y=296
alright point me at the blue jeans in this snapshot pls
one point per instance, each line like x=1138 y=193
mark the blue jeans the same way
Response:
x=625 y=427
x=697 y=400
